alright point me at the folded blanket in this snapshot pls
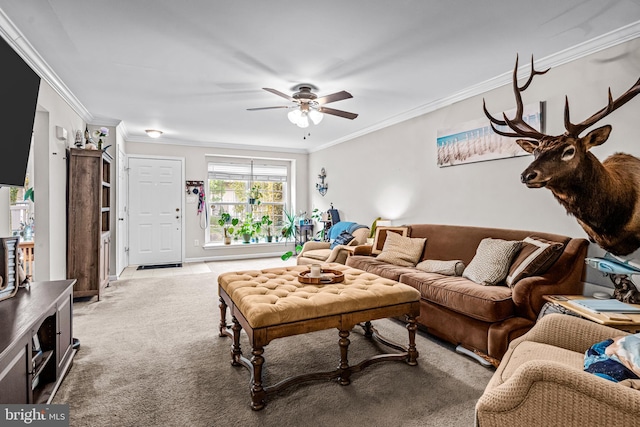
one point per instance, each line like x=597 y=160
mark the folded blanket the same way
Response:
x=603 y=358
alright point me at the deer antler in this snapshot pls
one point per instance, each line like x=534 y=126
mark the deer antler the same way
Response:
x=576 y=129
x=517 y=124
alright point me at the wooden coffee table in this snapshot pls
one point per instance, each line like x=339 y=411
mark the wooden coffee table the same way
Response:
x=272 y=304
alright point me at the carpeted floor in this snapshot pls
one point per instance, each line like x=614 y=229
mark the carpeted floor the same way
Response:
x=151 y=356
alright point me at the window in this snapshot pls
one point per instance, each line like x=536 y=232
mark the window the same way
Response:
x=247 y=190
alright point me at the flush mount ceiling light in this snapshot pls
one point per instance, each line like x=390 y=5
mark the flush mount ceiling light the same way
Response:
x=153 y=133
x=309 y=107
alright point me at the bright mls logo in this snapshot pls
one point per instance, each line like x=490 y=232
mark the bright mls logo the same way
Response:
x=35 y=415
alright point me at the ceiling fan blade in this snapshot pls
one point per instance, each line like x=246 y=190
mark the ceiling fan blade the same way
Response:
x=338 y=96
x=266 y=108
x=277 y=92
x=339 y=113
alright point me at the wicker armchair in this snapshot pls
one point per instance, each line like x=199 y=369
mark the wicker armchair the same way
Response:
x=541 y=381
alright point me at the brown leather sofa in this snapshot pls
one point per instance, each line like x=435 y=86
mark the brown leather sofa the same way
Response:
x=480 y=320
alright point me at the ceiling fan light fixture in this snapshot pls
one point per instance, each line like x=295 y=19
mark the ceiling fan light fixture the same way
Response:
x=315 y=116
x=303 y=121
x=153 y=133
x=294 y=115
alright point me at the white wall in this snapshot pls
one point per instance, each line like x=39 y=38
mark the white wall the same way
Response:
x=50 y=178
x=397 y=176
x=196 y=170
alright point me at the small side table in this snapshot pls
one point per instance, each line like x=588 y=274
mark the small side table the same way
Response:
x=305 y=233
x=632 y=325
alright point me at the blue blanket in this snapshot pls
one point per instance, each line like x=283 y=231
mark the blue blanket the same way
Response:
x=341 y=226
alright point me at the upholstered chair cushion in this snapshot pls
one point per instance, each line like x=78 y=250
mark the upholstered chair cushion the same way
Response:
x=403 y=251
x=491 y=262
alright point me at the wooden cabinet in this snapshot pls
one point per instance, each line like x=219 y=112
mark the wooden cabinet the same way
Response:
x=88 y=220
x=38 y=318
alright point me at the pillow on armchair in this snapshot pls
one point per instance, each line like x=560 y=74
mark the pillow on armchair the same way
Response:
x=343 y=239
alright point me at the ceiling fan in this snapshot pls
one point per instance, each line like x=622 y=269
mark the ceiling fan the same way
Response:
x=309 y=106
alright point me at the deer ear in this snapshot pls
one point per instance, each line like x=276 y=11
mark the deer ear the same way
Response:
x=597 y=136
x=527 y=144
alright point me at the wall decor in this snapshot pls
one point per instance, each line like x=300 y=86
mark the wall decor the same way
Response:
x=600 y=195
x=322 y=186
x=476 y=141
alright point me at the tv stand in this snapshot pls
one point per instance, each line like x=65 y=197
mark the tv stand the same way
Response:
x=37 y=318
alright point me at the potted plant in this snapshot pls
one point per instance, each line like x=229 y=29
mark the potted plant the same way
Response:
x=228 y=226
x=289 y=232
x=246 y=229
x=267 y=222
x=254 y=195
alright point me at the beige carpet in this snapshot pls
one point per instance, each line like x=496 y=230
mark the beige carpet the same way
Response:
x=150 y=356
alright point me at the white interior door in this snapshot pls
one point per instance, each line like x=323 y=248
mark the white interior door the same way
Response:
x=155 y=211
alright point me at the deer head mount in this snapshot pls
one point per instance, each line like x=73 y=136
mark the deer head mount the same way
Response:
x=604 y=197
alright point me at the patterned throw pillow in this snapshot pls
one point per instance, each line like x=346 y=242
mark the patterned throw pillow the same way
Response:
x=447 y=268
x=343 y=239
x=403 y=251
x=491 y=262
x=535 y=257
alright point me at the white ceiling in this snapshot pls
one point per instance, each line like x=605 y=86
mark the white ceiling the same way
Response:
x=191 y=68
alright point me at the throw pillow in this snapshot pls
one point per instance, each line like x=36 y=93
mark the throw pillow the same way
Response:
x=343 y=239
x=535 y=257
x=447 y=268
x=491 y=262
x=403 y=251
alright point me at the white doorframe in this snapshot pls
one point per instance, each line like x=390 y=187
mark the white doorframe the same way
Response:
x=182 y=198
x=122 y=221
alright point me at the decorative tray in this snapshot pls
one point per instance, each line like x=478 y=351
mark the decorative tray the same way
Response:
x=328 y=277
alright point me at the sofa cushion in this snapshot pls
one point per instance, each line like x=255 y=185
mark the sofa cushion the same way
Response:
x=484 y=303
x=379 y=268
x=535 y=257
x=447 y=268
x=491 y=262
x=403 y=251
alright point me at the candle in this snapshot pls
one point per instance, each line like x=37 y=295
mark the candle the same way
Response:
x=316 y=270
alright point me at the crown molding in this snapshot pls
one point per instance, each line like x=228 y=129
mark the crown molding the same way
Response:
x=605 y=41
x=12 y=35
x=214 y=144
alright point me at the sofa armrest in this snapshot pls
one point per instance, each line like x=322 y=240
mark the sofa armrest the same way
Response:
x=547 y=392
x=569 y=332
x=310 y=246
x=564 y=277
x=363 y=250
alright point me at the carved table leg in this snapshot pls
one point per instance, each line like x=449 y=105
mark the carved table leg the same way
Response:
x=236 y=352
x=257 y=392
x=412 y=353
x=223 y=318
x=344 y=363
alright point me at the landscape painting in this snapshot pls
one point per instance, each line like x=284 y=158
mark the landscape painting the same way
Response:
x=475 y=141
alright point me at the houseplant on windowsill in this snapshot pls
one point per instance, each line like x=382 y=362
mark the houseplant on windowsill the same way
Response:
x=227 y=223
x=267 y=222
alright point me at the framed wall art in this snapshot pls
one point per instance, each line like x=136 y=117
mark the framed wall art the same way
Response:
x=475 y=141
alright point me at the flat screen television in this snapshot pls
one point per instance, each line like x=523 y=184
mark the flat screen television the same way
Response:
x=19 y=86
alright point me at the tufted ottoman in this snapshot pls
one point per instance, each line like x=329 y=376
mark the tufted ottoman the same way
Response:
x=272 y=304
